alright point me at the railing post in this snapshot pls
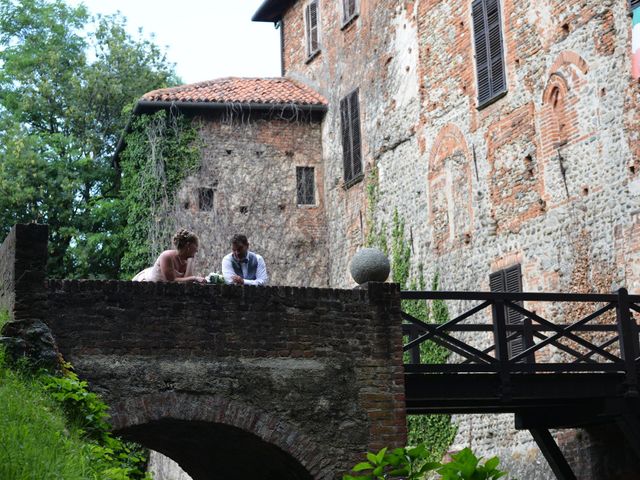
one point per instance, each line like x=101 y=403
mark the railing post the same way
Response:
x=502 y=352
x=414 y=353
x=628 y=332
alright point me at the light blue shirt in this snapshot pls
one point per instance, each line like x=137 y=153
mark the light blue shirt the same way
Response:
x=261 y=273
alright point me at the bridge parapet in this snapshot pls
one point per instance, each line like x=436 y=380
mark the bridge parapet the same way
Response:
x=23 y=294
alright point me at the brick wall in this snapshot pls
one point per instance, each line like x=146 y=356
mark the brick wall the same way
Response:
x=321 y=368
x=250 y=164
x=376 y=53
x=8 y=272
x=23 y=261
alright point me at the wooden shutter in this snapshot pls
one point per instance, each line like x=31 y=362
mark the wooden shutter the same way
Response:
x=487 y=32
x=346 y=139
x=510 y=280
x=356 y=148
x=311 y=20
x=351 y=142
x=482 y=53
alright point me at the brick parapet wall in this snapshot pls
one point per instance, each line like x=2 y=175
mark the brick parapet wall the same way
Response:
x=8 y=272
x=326 y=363
x=23 y=294
x=23 y=263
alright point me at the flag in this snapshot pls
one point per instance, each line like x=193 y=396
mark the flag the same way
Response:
x=635 y=45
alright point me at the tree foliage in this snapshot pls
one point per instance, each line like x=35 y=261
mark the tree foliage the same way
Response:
x=67 y=81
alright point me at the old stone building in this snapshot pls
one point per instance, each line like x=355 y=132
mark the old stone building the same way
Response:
x=505 y=133
x=261 y=173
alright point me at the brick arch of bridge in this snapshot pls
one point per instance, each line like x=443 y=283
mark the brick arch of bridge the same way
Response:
x=210 y=434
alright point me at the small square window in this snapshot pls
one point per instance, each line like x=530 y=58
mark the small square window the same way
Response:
x=205 y=199
x=305 y=181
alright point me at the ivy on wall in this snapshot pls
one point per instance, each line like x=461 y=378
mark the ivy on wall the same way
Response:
x=162 y=151
x=436 y=431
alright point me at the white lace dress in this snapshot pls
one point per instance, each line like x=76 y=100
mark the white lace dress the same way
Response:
x=154 y=273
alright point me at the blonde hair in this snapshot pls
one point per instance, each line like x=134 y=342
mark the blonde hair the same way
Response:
x=184 y=237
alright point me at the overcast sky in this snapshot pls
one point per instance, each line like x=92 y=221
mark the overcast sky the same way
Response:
x=206 y=39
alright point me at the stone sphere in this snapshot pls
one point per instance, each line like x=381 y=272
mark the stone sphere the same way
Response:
x=369 y=265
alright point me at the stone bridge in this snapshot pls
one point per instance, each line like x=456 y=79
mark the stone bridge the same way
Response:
x=230 y=382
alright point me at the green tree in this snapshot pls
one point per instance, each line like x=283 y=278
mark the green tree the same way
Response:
x=67 y=80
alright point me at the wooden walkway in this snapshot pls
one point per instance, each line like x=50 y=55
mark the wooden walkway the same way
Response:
x=564 y=361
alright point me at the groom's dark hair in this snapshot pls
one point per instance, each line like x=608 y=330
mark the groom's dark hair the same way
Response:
x=239 y=240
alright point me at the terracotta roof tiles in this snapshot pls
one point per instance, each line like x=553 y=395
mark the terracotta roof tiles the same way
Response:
x=240 y=90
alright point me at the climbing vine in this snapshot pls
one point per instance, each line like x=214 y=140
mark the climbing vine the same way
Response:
x=376 y=236
x=435 y=431
x=162 y=150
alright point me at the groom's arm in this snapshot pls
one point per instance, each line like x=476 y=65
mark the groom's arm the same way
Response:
x=227 y=270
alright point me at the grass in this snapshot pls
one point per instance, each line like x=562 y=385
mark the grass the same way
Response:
x=53 y=428
x=35 y=443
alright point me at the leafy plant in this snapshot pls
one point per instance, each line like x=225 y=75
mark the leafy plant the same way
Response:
x=406 y=463
x=82 y=407
x=413 y=464
x=465 y=465
x=53 y=427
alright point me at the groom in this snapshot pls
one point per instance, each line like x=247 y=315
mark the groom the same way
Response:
x=242 y=267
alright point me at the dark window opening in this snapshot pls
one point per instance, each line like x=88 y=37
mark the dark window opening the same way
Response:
x=349 y=11
x=351 y=143
x=205 y=199
x=305 y=182
x=311 y=24
x=244 y=209
x=510 y=280
x=490 y=67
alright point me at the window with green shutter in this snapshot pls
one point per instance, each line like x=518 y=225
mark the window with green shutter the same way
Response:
x=312 y=29
x=510 y=280
x=351 y=144
x=487 y=35
x=633 y=4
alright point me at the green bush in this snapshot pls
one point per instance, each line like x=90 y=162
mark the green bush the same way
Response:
x=52 y=427
x=413 y=464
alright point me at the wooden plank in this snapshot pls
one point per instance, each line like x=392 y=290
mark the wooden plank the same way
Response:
x=553 y=454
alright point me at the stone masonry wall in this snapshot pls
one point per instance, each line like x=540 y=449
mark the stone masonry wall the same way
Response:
x=547 y=176
x=376 y=53
x=250 y=164
x=322 y=368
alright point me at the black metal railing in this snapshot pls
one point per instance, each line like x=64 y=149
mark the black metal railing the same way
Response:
x=598 y=341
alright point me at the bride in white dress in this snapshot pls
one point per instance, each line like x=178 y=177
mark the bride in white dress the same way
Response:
x=174 y=265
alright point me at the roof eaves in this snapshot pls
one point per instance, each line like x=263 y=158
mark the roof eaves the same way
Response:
x=150 y=106
x=272 y=10
x=144 y=106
